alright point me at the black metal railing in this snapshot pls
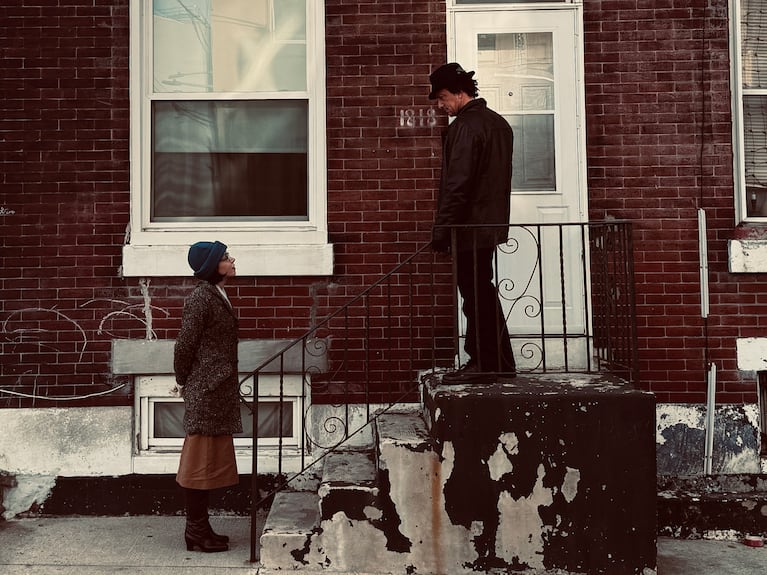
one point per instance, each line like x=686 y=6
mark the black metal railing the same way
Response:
x=567 y=295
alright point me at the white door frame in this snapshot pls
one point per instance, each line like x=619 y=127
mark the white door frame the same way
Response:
x=567 y=201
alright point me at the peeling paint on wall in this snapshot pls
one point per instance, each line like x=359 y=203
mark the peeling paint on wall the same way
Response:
x=554 y=470
x=30 y=490
x=500 y=463
x=416 y=491
x=521 y=530
x=680 y=439
x=570 y=484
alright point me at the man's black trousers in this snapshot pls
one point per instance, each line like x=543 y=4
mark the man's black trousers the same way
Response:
x=487 y=337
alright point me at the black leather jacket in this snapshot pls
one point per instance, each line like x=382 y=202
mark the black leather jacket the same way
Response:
x=475 y=186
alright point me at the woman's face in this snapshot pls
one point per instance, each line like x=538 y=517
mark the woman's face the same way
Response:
x=226 y=266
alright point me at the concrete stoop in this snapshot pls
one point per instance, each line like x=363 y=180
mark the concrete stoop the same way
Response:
x=373 y=511
x=524 y=477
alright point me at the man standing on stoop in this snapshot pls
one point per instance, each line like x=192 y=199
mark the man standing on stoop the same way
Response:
x=475 y=191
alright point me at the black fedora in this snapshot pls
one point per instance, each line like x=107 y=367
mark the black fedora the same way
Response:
x=449 y=77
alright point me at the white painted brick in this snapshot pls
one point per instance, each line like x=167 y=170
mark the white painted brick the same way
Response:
x=748 y=256
x=752 y=353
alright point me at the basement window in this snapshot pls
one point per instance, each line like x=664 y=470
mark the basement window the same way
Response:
x=166 y=417
x=159 y=422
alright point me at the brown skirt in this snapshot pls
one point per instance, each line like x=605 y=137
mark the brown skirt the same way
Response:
x=207 y=462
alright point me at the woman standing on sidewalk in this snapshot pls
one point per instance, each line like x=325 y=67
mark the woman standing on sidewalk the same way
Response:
x=205 y=363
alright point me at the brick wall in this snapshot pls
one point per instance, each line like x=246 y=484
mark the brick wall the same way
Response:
x=658 y=145
x=659 y=148
x=383 y=157
x=64 y=192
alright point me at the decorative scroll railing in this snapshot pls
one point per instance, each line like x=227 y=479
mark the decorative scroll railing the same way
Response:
x=567 y=293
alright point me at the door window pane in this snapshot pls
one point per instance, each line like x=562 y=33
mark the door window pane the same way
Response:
x=229 y=159
x=533 y=160
x=516 y=75
x=229 y=45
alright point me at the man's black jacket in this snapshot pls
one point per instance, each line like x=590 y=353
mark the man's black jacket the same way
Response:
x=475 y=186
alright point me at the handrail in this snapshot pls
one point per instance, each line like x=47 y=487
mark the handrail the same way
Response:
x=567 y=292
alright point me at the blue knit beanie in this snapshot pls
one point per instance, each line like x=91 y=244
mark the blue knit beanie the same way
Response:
x=203 y=259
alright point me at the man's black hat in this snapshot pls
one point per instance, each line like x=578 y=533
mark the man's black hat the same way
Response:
x=449 y=77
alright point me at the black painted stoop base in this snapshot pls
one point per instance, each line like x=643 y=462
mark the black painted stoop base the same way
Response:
x=569 y=461
x=139 y=495
x=701 y=506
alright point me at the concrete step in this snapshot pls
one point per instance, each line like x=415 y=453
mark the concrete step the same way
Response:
x=348 y=483
x=403 y=429
x=352 y=524
x=293 y=520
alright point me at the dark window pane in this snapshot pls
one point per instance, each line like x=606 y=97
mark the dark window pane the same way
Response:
x=241 y=160
x=268 y=420
x=169 y=420
x=755 y=154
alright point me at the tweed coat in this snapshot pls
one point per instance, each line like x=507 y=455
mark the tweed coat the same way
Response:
x=205 y=362
x=475 y=185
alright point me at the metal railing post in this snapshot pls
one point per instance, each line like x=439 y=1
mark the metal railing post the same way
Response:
x=254 y=554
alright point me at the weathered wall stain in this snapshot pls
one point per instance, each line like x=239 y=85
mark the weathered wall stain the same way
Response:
x=521 y=533
x=33 y=333
x=554 y=470
x=681 y=433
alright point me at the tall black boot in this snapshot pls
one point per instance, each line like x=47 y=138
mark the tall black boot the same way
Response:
x=199 y=498
x=213 y=534
x=198 y=532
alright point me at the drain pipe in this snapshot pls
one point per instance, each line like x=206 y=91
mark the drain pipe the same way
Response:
x=711 y=373
x=710 y=407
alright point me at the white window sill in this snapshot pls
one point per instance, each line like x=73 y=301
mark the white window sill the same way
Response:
x=747 y=256
x=165 y=462
x=752 y=353
x=252 y=260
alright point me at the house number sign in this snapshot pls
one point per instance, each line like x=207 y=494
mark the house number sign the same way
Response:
x=417 y=118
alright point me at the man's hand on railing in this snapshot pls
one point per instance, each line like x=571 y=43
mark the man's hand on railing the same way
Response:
x=441 y=246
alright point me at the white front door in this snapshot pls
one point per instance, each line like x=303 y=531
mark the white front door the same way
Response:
x=528 y=65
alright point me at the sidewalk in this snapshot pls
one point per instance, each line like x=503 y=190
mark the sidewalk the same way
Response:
x=153 y=545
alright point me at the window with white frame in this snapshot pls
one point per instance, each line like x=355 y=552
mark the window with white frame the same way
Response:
x=228 y=135
x=749 y=87
x=160 y=415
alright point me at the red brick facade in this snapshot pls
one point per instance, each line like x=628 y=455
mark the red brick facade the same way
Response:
x=658 y=144
x=659 y=148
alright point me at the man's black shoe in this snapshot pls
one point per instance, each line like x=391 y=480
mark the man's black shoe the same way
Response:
x=467 y=374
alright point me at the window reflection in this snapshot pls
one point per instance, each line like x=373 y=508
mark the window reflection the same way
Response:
x=229 y=45
x=245 y=159
x=515 y=72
